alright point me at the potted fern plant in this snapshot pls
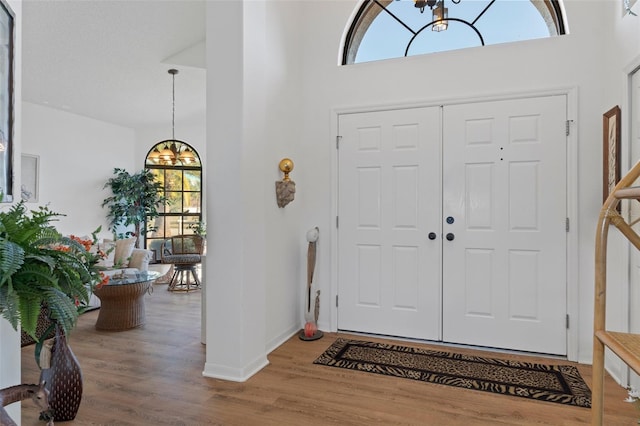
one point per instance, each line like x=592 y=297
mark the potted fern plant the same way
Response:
x=40 y=267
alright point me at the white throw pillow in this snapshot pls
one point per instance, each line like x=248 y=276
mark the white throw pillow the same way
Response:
x=123 y=251
x=140 y=259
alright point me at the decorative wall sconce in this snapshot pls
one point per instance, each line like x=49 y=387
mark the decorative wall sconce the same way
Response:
x=285 y=188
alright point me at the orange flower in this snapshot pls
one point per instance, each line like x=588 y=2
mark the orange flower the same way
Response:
x=105 y=280
x=86 y=243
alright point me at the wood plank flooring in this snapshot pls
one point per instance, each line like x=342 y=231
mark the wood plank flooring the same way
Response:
x=152 y=375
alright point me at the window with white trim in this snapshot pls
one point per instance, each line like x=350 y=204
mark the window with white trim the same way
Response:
x=384 y=29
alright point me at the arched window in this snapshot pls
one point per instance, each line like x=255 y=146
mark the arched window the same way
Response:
x=384 y=29
x=177 y=166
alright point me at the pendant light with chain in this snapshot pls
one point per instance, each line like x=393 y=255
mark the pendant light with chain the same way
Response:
x=172 y=152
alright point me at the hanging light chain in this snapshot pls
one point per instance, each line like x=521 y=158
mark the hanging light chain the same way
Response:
x=173 y=73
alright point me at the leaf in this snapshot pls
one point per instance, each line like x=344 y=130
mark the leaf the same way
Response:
x=29 y=312
x=11 y=259
x=9 y=306
x=61 y=309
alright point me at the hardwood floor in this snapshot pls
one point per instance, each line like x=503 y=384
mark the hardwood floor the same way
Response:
x=152 y=375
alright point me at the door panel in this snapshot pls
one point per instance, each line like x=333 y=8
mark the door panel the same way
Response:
x=504 y=274
x=389 y=271
x=487 y=181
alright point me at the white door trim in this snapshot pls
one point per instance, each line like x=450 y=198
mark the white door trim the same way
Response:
x=573 y=276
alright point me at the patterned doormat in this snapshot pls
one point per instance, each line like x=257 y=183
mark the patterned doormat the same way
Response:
x=545 y=382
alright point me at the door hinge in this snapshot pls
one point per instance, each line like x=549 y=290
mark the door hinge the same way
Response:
x=566 y=225
x=337 y=224
x=336 y=300
x=568 y=127
x=338 y=141
x=567 y=321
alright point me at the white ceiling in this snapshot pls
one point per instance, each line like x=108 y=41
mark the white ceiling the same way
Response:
x=108 y=59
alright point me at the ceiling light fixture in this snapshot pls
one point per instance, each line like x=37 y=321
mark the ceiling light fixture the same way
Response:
x=172 y=152
x=187 y=157
x=440 y=15
x=167 y=156
x=421 y=4
x=154 y=156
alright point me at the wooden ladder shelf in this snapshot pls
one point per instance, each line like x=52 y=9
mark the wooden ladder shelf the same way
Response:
x=625 y=345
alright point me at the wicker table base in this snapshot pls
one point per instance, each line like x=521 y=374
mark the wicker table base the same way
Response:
x=122 y=306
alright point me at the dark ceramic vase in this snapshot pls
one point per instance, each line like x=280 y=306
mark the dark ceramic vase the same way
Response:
x=63 y=380
x=44 y=330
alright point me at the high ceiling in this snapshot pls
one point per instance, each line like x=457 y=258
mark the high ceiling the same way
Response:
x=108 y=59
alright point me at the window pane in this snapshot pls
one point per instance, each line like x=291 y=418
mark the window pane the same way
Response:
x=192 y=202
x=386 y=38
x=162 y=206
x=155 y=227
x=174 y=225
x=174 y=202
x=528 y=26
x=192 y=180
x=457 y=36
x=158 y=175
x=189 y=223
x=173 y=180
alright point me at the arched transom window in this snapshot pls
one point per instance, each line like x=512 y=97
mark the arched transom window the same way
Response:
x=384 y=29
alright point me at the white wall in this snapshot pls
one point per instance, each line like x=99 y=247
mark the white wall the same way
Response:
x=77 y=156
x=267 y=247
x=623 y=279
x=236 y=101
x=285 y=243
x=10 y=348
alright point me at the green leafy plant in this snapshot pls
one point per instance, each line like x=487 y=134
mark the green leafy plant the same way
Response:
x=199 y=228
x=40 y=267
x=135 y=200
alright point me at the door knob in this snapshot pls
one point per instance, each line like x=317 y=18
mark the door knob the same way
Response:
x=450 y=236
x=432 y=235
x=450 y=220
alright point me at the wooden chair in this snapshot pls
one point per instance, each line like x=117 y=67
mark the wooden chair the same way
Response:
x=184 y=252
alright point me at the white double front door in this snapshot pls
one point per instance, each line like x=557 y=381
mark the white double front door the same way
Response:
x=452 y=223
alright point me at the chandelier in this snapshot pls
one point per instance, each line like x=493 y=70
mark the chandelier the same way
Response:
x=172 y=152
x=439 y=13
